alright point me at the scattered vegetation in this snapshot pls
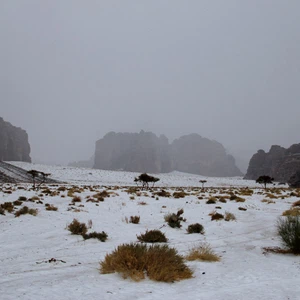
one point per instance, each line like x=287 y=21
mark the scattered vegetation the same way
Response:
x=25 y=210
x=51 y=208
x=195 y=228
x=134 y=219
x=229 y=216
x=293 y=212
x=203 y=252
x=264 y=180
x=145 y=179
x=101 y=236
x=174 y=220
x=77 y=228
x=152 y=236
x=289 y=231
x=216 y=216
x=158 y=262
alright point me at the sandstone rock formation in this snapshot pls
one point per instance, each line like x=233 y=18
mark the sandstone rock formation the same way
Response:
x=279 y=163
x=145 y=152
x=294 y=181
x=14 y=145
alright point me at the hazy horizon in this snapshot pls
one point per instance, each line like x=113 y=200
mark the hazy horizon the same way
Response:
x=73 y=71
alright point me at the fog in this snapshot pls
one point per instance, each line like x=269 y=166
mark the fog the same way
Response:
x=71 y=71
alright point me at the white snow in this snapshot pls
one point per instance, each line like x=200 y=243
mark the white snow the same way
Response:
x=244 y=272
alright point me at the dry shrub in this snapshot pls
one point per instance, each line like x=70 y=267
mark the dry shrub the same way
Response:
x=76 y=199
x=229 y=216
x=8 y=206
x=163 y=193
x=18 y=203
x=297 y=203
x=132 y=198
x=242 y=208
x=267 y=201
x=203 y=252
x=180 y=194
x=25 y=210
x=195 y=228
x=61 y=188
x=51 y=208
x=211 y=200
x=222 y=199
x=77 y=228
x=101 y=236
x=174 y=220
x=240 y=199
x=295 y=211
x=271 y=196
x=2 y=211
x=152 y=236
x=158 y=262
x=135 y=219
x=22 y=198
x=216 y=216
x=289 y=231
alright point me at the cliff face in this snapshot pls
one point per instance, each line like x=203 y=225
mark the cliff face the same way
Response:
x=139 y=152
x=197 y=155
x=145 y=152
x=279 y=163
x=14 y=145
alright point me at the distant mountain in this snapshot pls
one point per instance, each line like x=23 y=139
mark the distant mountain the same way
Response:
x=279 y=163
x=83 y=163
x=14 y=145
x=145 y=152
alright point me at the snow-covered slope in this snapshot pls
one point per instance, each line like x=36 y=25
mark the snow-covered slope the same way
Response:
x=244 y=272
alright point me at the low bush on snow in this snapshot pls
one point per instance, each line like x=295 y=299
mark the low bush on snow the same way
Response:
x=195 y=228
x=25 y=210
x=77 y=228
x=152 y=236
x=174 y=220
x=158 y=262
x=101 y=236
x=134 y=219
x=289 y=231
x=203 y=252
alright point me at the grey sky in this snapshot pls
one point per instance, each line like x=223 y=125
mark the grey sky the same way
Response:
x=73 y=70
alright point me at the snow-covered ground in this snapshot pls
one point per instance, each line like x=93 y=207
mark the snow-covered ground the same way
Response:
x=244 y=272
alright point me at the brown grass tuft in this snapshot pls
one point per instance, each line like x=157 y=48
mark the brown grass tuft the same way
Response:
x=203 y=252
x=158 y=262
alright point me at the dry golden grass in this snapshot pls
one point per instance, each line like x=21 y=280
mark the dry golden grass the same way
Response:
x=297 y=203
x=229 y=216
x=295 y=211
x=203 y=252
x=51 y=208
x=158 y=262
x=267 y=201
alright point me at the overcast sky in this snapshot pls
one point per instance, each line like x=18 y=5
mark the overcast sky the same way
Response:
x=73 y=70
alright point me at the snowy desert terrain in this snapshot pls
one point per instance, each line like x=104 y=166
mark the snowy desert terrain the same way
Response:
x=245 y=270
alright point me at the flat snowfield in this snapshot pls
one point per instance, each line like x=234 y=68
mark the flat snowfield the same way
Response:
x=41 y=259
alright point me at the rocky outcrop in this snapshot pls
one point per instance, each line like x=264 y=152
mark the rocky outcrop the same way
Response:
x=279 y=163
x=83 y=163
x=145 y=152
x=14 y=145
x=197 y=155
x=139 y=152
x=294 y=181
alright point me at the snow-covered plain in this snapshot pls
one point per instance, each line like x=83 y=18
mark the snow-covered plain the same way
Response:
x=244 y=272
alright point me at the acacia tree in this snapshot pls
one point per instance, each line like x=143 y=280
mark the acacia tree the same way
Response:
x=145 y=179
x=264 y=179
x=203 y=181
x=34 y=174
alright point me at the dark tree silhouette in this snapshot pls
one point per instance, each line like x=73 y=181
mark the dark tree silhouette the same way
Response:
x=145 y=179
x=203 y=181
x=34 y=174
x=264 y=179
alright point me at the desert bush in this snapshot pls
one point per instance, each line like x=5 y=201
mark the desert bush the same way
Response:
x=180 y=194
x=152 y=236
x=101 y=236
x=61 y=188
x=195 y=228
x=18 y=203
x=229 y=216
x=76 y=199
x=289 y=231
x=242 y=208
x=158 y=262
x=8 y=206
x=25 y=210
x=203 y=252
x=51 y=208
x=2 y=211
x=216 y=216
x=239 y=199
x=163 y=193
x=174 y=220
x=295 y=211
x=134 y=219
x=77 y=228
x=22 y=198
x=297 y=203
x=222 y=199
x=211 y=200
x=267 y=201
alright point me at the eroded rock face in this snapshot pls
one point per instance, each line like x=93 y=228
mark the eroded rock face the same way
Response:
x=14 y=145
x=294 y=181
x=145 y=152
x=279 y=163
x=197 y=155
